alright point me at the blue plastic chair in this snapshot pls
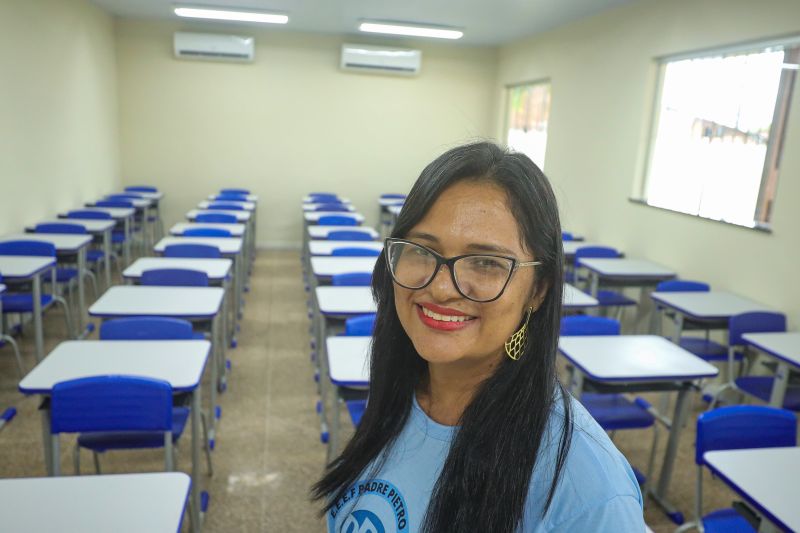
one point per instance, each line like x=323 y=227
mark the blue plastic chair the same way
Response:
x=22 y=302
x=206 y=232
x=114 y=203
x=352 y=279
x=123 y=197
x=224 y=206
x=203 y=251
x=146 y=328
x=337 y=220
x=355 y=252
x=11 y=342
x=356 y=408
x=612 y=411
x=174 y=277
x=216 y=218
x=116 y=413
x=141 y=188
x=360 y=326
x=345 y=235
x=230 y=197
x=332 y=207
x=7 y=416
x=606 y=298
x=393 y=196
x=567 y=236
x=234 y=191
x=734 y=428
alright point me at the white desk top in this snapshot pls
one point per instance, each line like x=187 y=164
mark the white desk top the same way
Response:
x=226 y=245
x=707 y=305
x=123 y=503
x=571 y=246
x=215 y=269
x=151 y=195
x=180 y=363
x=137 y=202
x=386 y=202
x=628 y=268
x=241 y=216
x=91 y=225
x=395 y=209
x=62 y=241
x=321 y=232
x=633 y=358
x=348 y=360
x=313 y=216
x=247 y=206
x=326 y=267
x=236 y=230
x=784 y=346
x=117 y=213
x=766 y=477
x=342 y=199
x=248 y=198
x=311 y=207
x=577 y=299
x=345 y=300
x=23 y=266
x=326 y=247
x=176 y=302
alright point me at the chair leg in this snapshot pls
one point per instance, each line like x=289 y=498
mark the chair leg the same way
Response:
x=76 y=459
x=14 y=347
x=67 y=315
x=96 y=457
x=207 y=446
x=93 y=279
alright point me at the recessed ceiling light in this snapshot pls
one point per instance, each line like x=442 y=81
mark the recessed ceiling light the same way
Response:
x=225 y=14
x=412 y=31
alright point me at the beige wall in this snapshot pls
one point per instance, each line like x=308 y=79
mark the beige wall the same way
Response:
x=289 y=123
x=602 y=83
x=58 y=108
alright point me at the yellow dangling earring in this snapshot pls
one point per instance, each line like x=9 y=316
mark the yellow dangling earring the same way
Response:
x=516 y=343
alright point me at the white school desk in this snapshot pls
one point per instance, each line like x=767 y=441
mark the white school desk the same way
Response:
x=66 y=245
x=312 y=207
x=785 y=348
x=247 y=206
x=347 y=367
x=29 y=269
x=386 y=202
x=138 y=203
x=324 y=268
x=326 y=248
x=123 y=503
x=766 y=478
x=236 y=230
x=142 y=206
x=340 y=199
x=97 y=228
x=216 y=269
x=321 y=232
x=247 y=198
x=636 y=363
x=180 y=363
x=120 y=214
x=395 y=209
x=189 y=303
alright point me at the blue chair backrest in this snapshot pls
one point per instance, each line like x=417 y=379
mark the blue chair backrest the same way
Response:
x=146 y=329
x=123 y=197
x=111 y=403
x=225 y=206
x=204 y=251
x=219 y=218
x=332 y=208
x=682 y=285
x=113 y=203
x=355 y=252
x=345 y=235
x=141 y=188
x=231 y=197
x=754 y=322
x=393 y=196
x=337 y=220
x=60 y=228
x=361 y=326
x=595 y=252
x=206 y=232
x=352 y=279
x=744 y=426
x=175 y=277
x=567 y=236
x=579 y=325
x=323 y=195
x=234 y=191
x=35 y=248
x=87 y=214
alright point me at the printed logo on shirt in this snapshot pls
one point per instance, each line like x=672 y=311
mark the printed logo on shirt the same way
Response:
x=372 y=506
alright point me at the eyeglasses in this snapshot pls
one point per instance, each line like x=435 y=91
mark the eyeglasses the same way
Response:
x=477 y=277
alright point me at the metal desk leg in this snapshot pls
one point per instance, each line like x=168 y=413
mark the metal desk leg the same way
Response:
x=195 y=495
x=46 y=441
x=37 y=318
x=216 y=348
x=81 y=289
x=779 y=385
x=126 y=247
x=107 y=255
x=335 y=422
x=660 y=494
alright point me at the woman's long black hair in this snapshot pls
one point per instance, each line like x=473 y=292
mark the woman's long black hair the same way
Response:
x=484 y=482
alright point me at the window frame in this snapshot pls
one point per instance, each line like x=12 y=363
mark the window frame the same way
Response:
x=506 y=108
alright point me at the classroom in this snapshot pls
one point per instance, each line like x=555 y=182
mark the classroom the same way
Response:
x=349 y=266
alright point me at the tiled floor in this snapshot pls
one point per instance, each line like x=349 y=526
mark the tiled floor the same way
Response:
x=268 y=449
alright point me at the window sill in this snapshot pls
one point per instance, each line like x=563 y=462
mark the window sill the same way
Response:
x=761 y=228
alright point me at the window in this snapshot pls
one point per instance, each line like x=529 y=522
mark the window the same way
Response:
x=528 y=114
x=717 y=134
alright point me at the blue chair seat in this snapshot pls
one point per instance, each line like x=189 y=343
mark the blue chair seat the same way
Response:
x=726 y=521
x=93 y=256
x=615 y=411
x=761 y=387
x=22 y=302
x=612 y=298
x=126 y=440
x=64 y=275
x=356 y=410
x=706 y=349
x=117 y=237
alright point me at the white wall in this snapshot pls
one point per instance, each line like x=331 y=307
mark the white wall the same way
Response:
x=58 y=108
x=602 y=72
x=289 y=123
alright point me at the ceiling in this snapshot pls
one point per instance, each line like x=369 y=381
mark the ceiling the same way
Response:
x=484 y=22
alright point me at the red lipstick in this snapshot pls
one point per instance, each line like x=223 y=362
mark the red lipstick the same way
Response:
x=441 y=324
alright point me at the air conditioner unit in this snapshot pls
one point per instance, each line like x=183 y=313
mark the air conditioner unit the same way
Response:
x=213 y=46
x=378 y=59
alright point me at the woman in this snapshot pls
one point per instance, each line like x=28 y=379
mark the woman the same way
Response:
x=467 y=428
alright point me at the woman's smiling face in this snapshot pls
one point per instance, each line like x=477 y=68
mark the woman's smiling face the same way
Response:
x=470 y=217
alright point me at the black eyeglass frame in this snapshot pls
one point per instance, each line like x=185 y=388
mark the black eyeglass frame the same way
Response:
x=450 y=262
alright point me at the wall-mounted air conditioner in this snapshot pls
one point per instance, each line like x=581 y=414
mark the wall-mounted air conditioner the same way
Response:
x=213 y=46
x=379 y=59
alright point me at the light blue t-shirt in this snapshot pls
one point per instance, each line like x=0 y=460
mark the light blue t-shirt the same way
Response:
x=597 y=492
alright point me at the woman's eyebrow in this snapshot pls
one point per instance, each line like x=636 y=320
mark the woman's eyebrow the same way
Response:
x=473 y=247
